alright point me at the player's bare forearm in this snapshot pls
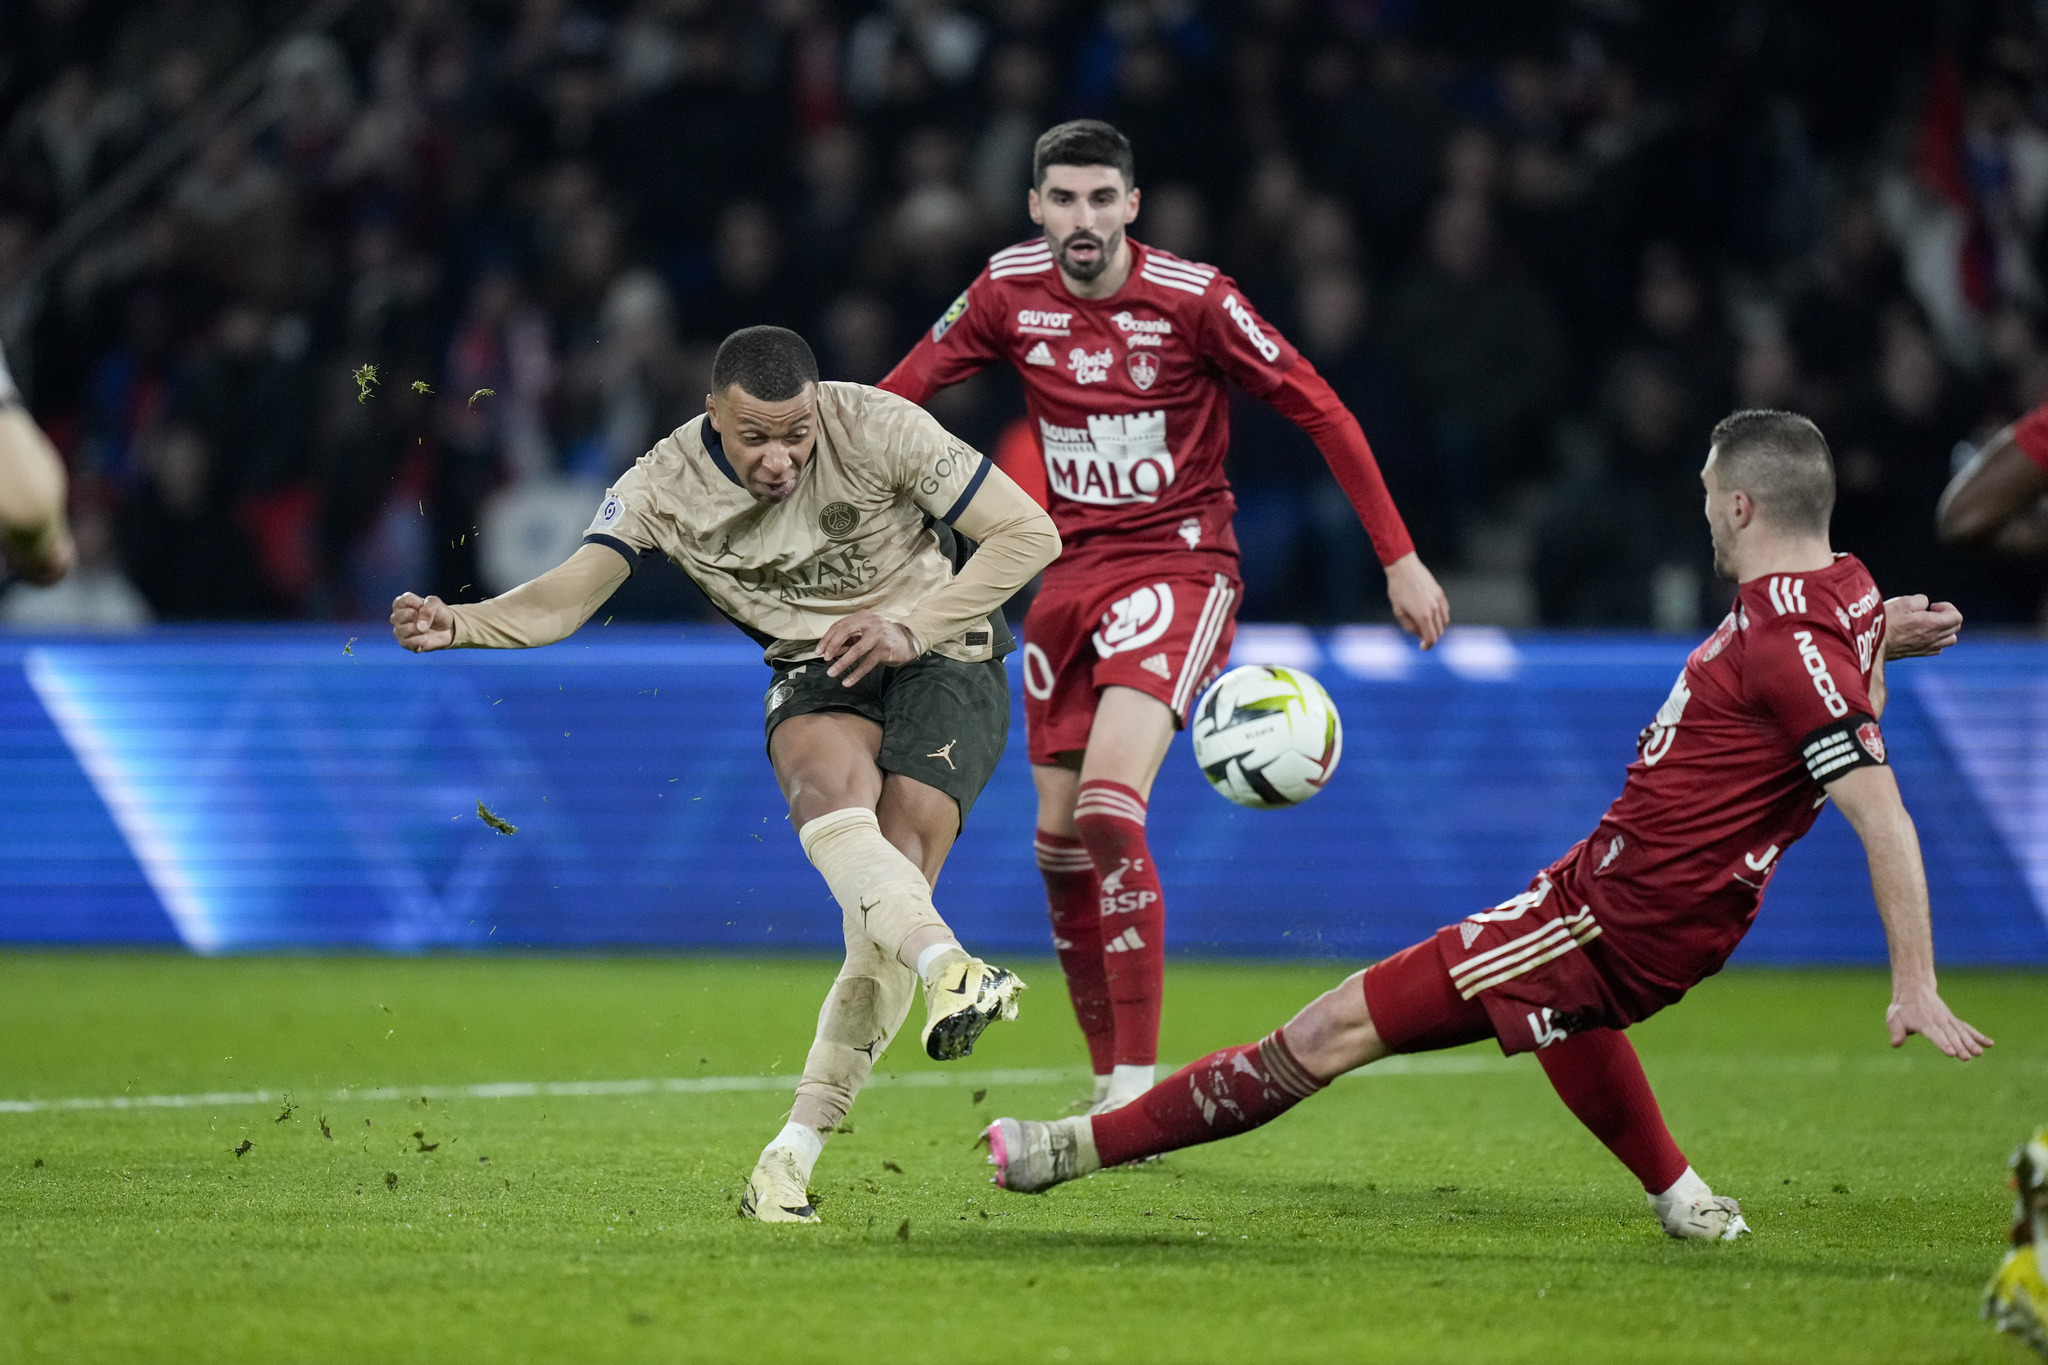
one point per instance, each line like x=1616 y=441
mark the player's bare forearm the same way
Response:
x=33 y=534
x=2002 y=484
x=1915 y=628
x=1417 y=599
x=1869 y=799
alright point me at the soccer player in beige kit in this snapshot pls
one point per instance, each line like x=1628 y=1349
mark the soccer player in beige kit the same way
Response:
x=821 y=518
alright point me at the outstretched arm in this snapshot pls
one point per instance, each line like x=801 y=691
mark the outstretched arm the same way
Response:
x=540 y=612
x=1869 y=797
x=33 y=536
x=2000 y=500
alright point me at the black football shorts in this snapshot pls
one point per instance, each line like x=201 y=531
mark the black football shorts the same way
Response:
x=943 y=722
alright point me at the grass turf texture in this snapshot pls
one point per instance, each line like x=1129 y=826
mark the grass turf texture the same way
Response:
x=1399 y=1217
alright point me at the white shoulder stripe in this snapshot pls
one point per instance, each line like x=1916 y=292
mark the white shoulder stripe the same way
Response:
x=1167 y=258
x=1175 y=282
x=1178 y=268
x=1019 y=252
x=1004 y=272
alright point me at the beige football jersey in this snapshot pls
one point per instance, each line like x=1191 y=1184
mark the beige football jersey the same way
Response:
x=854 y=535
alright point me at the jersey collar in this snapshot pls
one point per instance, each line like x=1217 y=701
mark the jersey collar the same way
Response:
x=714 y=446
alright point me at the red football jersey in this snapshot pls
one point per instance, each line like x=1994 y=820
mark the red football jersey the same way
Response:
x=1729 y=775
x=1127 y=394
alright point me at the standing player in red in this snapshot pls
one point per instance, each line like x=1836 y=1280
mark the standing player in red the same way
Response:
x=1772 y=716
x=1124 y=351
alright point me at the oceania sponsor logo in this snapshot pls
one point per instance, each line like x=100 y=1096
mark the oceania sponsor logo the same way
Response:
x=1249 y=325
x=1817 y=669
x=1142 y=331
x=1041 y=323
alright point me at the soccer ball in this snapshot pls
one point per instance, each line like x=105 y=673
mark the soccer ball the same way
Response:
x=1267 y=736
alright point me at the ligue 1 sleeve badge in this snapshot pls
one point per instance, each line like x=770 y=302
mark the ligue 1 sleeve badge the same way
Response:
x=1143 y=367
x=1872 y=739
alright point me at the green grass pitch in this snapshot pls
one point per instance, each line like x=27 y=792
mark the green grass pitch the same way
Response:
x=1454 y=1212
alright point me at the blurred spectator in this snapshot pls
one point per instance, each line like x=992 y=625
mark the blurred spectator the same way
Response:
x=234 y=224
x=1483 y=354
x=69 y=141
x=178 y=539
x=1019 y=88
x=859 y=340
x=1568 y=214
x=1175 y=220
x=632 y=385
x=1305 y=554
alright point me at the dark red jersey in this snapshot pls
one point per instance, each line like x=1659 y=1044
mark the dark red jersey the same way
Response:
x=1730 y=774
x=1128 y=397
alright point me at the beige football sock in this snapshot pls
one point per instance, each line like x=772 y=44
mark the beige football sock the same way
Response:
x=863 y=1011
x=882 y=893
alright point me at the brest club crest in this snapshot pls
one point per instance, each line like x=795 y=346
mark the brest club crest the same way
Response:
x=1144 y=368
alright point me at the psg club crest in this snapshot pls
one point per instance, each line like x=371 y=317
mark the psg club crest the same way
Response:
x=1872 y=739
x=1144 y=368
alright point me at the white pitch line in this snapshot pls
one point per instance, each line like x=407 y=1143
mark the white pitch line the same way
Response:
x=681 y=1085
x=1454 y=1064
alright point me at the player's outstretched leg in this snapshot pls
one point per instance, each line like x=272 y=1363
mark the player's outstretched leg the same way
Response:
x=1404 y=1004
x=1600 y=1079
x=862 y=1013
x=1224 y=1094
x=888 y=896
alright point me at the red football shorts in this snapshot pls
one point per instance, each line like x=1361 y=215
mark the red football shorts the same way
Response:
x=1528 y=961
x=1166 y=633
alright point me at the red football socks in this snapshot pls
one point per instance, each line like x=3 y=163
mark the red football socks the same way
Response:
x=1110 y=820
x=1074 y=894
x=1224 y=1094
x=1600 y=1079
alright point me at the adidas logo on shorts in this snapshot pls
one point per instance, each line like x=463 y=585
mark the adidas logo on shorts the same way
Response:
x=1157 y=665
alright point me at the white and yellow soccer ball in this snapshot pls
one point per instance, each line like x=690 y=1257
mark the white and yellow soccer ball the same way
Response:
x=1267 y=736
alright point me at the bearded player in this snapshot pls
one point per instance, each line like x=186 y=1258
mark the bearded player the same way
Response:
x=820 y=519
x=1125 y=351
x=1773 y=716
x=34 y=541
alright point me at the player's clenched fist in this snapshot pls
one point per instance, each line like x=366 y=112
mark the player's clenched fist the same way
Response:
x=422 y=623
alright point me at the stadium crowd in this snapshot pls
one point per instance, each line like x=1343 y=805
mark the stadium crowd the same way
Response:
x=1539 y=246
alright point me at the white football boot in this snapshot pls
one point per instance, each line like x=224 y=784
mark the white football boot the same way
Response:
x=961 y=999
x=1692 y=1212
x=775 y=1191
x=1030 y=1156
